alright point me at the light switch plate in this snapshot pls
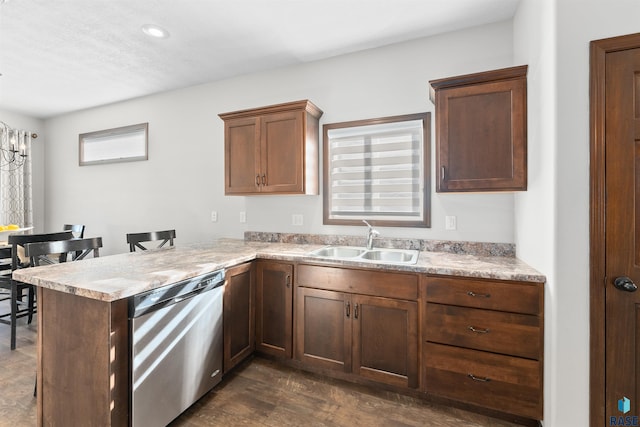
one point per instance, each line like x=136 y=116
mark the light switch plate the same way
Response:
x=297 y=219
x=243 y=217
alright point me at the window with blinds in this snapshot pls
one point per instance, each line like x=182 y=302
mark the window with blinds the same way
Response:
x=378 y=170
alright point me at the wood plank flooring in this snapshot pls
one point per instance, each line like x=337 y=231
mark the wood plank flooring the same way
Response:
x=259 y=393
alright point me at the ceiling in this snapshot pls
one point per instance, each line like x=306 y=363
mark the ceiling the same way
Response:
x=67 y=55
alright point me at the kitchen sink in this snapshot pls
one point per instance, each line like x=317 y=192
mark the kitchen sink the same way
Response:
x=339 y=252
x=379 y=255
x=404 y=256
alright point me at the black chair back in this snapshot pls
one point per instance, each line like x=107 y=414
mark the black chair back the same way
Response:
x=76 y=229
x=39 y=252
x=18 y=308
x=135 y=240
x=17 y=242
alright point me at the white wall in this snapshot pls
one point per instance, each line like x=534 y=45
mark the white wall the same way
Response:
x=38 y=149
x=183 y=180
x=552 y=218
x=535 y=209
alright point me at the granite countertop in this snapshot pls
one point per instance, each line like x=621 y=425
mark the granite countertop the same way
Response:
x=115 y=277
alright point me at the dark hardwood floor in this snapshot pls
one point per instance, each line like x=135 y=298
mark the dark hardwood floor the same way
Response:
x=258 y=393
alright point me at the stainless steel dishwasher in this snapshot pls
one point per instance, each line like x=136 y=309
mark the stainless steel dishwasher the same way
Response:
x=176 y=347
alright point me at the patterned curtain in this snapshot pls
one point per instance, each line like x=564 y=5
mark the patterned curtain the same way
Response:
x=16 y=204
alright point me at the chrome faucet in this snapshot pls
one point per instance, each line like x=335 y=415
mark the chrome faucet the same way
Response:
x=371 y=232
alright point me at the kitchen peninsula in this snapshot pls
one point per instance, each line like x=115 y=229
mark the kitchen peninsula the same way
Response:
x=83 y=330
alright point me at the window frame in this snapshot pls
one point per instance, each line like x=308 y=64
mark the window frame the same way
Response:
x=425 y=222
x=142 y=146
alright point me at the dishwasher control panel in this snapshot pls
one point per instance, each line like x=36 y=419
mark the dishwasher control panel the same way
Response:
x=169 y=294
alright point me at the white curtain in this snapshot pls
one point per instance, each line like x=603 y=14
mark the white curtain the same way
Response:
x=16 y=202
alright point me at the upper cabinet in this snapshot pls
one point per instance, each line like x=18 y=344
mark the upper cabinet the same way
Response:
x=481 y=131
x=272 y=149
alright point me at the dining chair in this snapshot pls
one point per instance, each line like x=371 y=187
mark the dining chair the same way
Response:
x=76 y=229
x=40 y=253
x=16 y=289
x=135 y=240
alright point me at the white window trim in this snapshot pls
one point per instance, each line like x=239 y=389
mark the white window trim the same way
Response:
x=123 y=144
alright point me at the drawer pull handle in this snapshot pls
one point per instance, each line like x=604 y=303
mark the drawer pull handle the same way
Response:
x=478 y=331
x=473 y=294
x=480 y=379
x=348 y=309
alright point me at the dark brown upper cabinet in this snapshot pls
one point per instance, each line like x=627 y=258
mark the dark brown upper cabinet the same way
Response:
x=481 y=131
x=272 y=150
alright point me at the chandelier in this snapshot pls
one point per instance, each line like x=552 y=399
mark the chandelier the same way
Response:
x=13 y=147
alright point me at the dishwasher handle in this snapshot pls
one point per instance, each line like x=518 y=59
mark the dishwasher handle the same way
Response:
x=191 y=294
x=172 y=294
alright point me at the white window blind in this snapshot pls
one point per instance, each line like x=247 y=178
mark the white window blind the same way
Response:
x=376 y=172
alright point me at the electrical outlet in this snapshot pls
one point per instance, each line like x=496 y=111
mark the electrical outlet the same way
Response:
x=450 y=222
x=214 y=216
x=243 y=217
x=297 y=219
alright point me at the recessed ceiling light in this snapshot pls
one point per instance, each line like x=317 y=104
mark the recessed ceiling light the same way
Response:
x=155 y=31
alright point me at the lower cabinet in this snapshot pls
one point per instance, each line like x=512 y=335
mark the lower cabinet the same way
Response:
x=274 y=308
x=483 y=343
x=239 y=319
x=505 y=383
x=475 y=341
x=370 y=336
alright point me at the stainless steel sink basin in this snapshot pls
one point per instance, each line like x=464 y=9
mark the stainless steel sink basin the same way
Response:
x=380 y=255
x=392 y=255
x=339 y=252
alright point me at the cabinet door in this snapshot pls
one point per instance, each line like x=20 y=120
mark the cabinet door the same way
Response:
x=323 y=328
x=242 y=155
x=481 y=131
x=238 y=322
x=274 y=308
x=282 y=151
x=385 y=340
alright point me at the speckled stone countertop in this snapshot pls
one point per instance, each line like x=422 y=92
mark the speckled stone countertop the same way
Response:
x=115 y=277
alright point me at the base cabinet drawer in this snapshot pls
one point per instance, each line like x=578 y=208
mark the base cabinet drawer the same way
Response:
x=515 y=297
x=498 y=332
x=509 y=384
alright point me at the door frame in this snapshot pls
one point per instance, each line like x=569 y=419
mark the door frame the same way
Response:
x=597 y=256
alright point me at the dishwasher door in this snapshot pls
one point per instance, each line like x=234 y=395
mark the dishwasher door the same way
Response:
x=176 y=349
